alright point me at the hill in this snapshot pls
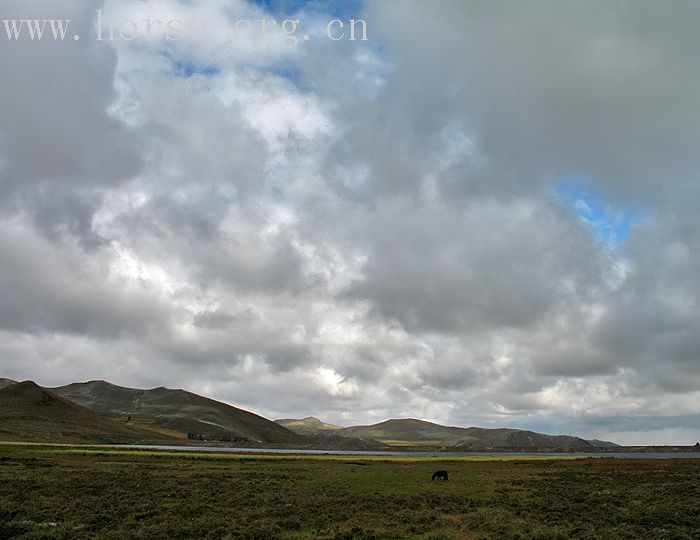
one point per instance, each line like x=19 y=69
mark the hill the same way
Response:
x=178 y=412
x=412 y=432
x=324 y=436
x=31 y=413
x=98 y=411
x=307 y=426
x=4 y=383
x=597 y=443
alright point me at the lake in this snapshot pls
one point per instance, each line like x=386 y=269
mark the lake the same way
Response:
x=446 y=455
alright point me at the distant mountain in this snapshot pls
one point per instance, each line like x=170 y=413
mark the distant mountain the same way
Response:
x=31 y=413
x=602 y=444
x=307 y=426
x=324 y=436
x=178 y=412
x=98 y=411
x=330 y=440
x=412 y=432
x=4 y=383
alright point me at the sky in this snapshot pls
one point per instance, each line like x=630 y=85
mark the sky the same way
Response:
x=483 y=215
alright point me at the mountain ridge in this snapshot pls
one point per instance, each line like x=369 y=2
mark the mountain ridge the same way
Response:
x=30 y=412
x=4 y=383
x=195 y=416
x=308 y=425
x=415 y=432
x=176 y=415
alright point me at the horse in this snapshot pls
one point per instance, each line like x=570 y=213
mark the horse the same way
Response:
x=440 y=475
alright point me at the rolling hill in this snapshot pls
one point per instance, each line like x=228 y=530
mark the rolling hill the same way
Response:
x=100 y=412
x=412 y=432
x=4 y=383
x=31 y=413
x=178 y=412
x=307 y=426
x=324 y=436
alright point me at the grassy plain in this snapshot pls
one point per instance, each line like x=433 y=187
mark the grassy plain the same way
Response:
x=88 y=492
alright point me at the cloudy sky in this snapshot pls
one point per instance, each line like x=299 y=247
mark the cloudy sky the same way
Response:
x=485 y=214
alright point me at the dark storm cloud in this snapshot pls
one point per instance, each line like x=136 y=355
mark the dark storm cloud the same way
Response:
x=59 y=147
x=48 y=289
x=486 y=267
x=603 y=88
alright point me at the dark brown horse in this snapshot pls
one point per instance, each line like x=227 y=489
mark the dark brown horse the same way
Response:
x=440 y=475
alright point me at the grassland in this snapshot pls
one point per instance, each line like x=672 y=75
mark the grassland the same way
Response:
x=79 y=492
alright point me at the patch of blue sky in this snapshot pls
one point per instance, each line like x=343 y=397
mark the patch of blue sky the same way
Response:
x=343 y=9
x=610 y=224
x=185 y=67
x=290 y=73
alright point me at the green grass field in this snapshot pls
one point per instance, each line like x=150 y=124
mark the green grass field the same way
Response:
x=75 y=492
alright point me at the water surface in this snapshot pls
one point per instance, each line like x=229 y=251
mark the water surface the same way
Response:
x=445 y=455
